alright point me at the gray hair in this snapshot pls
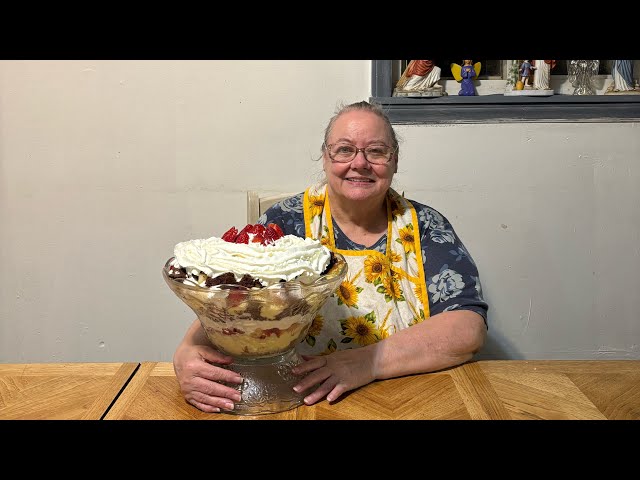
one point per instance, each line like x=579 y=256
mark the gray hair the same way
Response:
x=363 y=106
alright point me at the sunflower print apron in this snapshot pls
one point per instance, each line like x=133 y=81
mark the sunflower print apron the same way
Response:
x=381 y=294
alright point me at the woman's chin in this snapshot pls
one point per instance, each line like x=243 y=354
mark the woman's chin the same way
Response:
x=361 y=193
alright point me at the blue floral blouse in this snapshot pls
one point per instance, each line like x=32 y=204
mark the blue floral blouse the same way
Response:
x=453 y=282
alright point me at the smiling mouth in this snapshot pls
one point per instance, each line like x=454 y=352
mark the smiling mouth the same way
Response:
x=359 y=180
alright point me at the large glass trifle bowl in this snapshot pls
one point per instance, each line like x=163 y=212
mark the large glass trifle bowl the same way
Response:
x=260 y=328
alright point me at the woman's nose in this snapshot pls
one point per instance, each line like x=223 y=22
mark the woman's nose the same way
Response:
x=360 y=161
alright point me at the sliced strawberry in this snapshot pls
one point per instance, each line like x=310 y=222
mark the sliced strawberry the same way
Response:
x=230 y=235
x=235 y=297
x=243 y=237
x=276 y=227
x=270 y=236
x=246 y=229
x=258 y=238
x=258 y=229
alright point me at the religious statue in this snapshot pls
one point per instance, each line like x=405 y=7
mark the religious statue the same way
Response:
x=420 y=78
x=623 y=82
x=542 y=74
x=466 y=74
x=581 y=73
x=526 y=71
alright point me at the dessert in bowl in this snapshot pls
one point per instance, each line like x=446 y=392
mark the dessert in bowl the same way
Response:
x=256 y=302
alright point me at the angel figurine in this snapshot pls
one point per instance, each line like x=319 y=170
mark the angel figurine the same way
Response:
x=581 y=73
x=465 y=74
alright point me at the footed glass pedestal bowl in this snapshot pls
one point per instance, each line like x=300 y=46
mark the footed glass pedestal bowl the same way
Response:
x=260 y=329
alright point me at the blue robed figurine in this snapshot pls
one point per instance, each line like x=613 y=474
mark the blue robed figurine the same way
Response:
x=623 y=81
x=466 y=74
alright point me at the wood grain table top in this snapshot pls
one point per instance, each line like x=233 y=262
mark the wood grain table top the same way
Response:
x=483 y=390
x=61 y=391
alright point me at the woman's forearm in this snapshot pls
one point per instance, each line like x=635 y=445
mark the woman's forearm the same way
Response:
x=195 y=335
x=441 y=341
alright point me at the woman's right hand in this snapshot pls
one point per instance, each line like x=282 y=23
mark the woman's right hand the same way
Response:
x=198 y=377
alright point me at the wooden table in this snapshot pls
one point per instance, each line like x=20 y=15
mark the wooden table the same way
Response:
x=61 y=391
x=493 y=389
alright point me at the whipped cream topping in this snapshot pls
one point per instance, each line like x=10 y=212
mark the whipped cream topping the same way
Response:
x=287 y=258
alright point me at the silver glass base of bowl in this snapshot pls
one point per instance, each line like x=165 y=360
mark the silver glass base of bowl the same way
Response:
x=268 y=384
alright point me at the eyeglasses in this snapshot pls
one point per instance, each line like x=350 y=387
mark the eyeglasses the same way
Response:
x=377 y=154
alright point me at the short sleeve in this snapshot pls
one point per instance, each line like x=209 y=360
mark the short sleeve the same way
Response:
x=288 y=214
x=453 y=281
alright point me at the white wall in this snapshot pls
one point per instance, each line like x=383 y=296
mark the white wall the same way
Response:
x=551 y=214
x=105 y=165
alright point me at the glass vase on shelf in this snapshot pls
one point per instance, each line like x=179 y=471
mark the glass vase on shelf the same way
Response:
x=581 y=75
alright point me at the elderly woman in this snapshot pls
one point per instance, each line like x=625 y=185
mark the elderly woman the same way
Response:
x=412 y=301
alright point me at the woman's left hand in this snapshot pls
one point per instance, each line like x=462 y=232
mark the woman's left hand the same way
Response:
x=335 y=373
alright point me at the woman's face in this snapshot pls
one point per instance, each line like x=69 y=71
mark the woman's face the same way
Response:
x=359 y=180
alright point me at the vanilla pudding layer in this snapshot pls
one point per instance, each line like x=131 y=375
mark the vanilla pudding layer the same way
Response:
x=266 y=339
